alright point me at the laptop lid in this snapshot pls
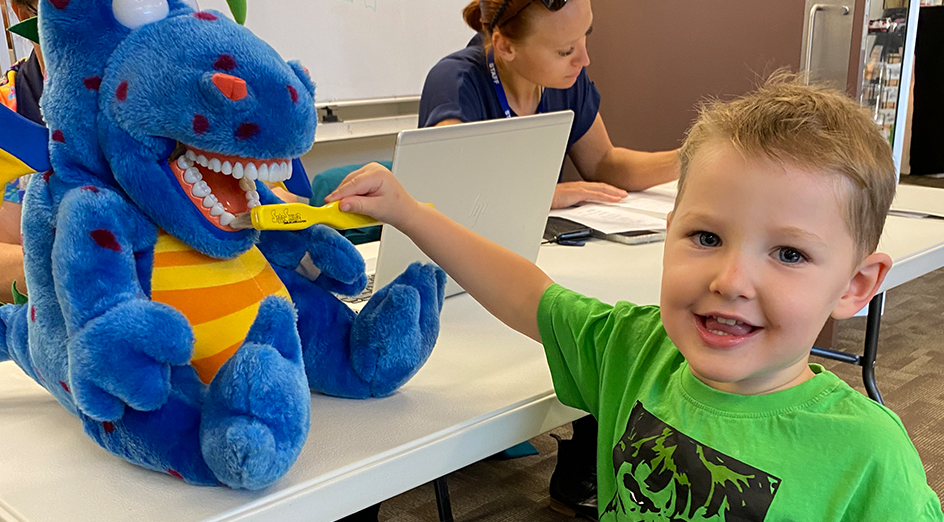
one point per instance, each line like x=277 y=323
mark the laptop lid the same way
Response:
x=495 y=177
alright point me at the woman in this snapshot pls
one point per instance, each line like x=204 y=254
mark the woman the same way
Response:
x=538 y=50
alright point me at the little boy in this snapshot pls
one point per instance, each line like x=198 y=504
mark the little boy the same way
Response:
x=708 y=406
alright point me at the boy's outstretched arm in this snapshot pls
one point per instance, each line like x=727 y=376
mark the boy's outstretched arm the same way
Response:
x=506 y=284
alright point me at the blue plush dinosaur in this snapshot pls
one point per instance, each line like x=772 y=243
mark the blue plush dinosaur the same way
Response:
x=182 y=344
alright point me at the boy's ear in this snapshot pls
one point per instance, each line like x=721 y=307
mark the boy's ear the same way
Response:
x=864 y=284
x=668 y=220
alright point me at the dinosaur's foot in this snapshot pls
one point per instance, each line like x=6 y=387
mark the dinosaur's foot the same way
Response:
x=396 y=331
x=257 y=411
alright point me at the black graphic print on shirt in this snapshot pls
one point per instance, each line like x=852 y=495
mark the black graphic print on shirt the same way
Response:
x=666 y=475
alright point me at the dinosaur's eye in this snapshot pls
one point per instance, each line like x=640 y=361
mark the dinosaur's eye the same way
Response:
x=135 y=13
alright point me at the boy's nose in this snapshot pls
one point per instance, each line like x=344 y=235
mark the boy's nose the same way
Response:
x=733 y=279
x=232 y=87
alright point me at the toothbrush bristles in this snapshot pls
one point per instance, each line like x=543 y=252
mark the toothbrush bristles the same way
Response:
x=242 y=221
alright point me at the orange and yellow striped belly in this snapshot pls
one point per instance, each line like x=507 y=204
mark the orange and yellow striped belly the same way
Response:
x=220 y=297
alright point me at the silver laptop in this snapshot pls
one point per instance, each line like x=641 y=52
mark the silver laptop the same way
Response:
x=494 y=177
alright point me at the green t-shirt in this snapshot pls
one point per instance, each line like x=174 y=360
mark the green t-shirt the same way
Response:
x=672 y=448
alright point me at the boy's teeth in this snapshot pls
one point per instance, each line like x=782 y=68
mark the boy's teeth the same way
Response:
x=731 y=322
x=719 y=332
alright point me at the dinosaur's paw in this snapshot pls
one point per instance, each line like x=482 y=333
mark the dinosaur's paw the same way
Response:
x=256 y=415
x=395 y=333
x=123 y=357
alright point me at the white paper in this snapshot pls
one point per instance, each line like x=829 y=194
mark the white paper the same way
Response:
x=659 y=199
x=609 y=219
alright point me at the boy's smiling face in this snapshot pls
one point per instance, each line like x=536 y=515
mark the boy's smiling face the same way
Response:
x=757 y=257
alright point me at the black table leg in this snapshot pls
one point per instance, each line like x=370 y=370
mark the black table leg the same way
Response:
x=442 y=499
x=871 y=346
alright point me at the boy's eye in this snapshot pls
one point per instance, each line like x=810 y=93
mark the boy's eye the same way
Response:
x=791 y=255
x=707 y=239
x=567 y=52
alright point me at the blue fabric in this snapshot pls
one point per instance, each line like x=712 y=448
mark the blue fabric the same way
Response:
x=460 y=87
x=119 y=103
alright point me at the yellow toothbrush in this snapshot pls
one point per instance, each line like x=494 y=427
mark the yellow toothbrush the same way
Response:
x=296 y=216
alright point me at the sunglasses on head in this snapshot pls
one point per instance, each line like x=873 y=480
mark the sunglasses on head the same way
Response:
x=499 y=19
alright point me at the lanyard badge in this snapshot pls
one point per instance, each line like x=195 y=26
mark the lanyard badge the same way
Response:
x=500 y=91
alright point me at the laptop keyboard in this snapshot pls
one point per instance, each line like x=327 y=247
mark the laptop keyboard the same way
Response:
x=361 y=297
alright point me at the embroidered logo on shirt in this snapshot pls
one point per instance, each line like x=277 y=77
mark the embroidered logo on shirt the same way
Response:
x=666 y=475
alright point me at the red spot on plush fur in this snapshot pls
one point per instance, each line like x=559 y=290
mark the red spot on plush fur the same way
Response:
x=65 y=387
x=293 y=93
x=200 y=124
x=91 y=188
x=247 y=130
x=225 y=62
x=174 y=474
x=92 y=83
x=46 y=175
x=122 y=91
x=109 y=426
x=59 y=4
x=204 y=16
x=33 y=314
x=57 y=135
x=105 y=239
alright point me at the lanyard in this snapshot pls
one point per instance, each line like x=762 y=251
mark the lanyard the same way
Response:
x=500 y=91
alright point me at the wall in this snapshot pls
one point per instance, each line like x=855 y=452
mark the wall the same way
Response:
x=653 y=61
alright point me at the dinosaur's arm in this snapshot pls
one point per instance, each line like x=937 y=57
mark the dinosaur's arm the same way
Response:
x=340 y=265
x=121 y=344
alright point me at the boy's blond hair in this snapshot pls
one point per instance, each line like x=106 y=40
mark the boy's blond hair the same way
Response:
x=811 y=127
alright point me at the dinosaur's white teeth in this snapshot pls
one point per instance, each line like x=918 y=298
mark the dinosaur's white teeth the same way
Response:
x=217 y=210
x=192 y=175
x=238 y=170
x=200 y=189
x=226 y=218
x=191 y=155
x=184 y=163
x=214 y=165
x=227 y=168
x=210 y=200
x=247 y=185
x=201 y=160
x=251 y=172
x=253 y=203
x=252 y=195
x=275 y=173
x=287 y=169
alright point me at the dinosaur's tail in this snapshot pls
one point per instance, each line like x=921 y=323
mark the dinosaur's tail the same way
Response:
x=13 y=332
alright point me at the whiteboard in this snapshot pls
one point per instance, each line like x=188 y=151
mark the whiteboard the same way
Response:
x=359 y=49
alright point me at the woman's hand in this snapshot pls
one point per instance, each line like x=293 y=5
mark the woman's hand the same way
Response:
x=373 y=190
x=572 y=192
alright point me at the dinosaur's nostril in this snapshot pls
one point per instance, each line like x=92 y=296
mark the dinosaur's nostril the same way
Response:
x=232 y=87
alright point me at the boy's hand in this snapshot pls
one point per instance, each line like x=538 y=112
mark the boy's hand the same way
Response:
x=373 y=190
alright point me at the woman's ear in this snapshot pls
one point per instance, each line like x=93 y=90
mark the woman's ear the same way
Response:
x=503 y=46
x=863 y=285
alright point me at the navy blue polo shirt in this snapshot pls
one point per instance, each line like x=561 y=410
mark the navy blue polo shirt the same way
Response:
x=460 y=87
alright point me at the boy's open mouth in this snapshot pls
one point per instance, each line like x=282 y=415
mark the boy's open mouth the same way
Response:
x=725 y=326
x=223 y=187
